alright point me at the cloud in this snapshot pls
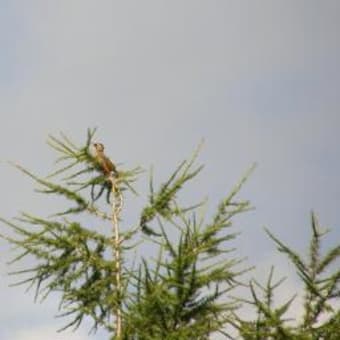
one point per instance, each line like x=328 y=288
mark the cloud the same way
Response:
x=257 y=79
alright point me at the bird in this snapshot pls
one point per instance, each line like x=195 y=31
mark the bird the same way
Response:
x=104 y=162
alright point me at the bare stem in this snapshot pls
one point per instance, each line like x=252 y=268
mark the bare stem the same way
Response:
x=117 y=206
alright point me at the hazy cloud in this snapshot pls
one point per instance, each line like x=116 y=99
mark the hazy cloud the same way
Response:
x=258 y=79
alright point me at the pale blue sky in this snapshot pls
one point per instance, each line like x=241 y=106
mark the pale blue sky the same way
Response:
x=259 y=80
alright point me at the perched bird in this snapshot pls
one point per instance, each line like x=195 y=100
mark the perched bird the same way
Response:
x=104 y=162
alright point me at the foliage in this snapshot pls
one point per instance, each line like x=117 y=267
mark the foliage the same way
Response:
x=321 y=289
x=182 y=293
x=177 y=295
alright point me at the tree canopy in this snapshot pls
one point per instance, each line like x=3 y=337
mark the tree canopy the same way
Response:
x=186 y=289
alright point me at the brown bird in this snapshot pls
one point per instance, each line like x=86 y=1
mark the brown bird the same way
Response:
x=104 y=162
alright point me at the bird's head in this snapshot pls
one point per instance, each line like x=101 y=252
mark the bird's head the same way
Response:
x=99 y=147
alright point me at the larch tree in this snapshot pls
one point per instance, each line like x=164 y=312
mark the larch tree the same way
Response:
x=184 y=290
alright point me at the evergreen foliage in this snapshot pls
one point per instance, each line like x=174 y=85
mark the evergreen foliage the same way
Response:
x=181 y=293
x=320 y=276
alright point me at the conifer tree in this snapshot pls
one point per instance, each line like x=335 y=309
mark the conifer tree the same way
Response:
x=174 y=295
x=320 y=276
x=184 y=290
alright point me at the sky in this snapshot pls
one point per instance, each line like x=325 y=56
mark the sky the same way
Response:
x=258 y=80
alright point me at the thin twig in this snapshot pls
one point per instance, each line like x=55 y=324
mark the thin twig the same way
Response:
x=117 y=206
